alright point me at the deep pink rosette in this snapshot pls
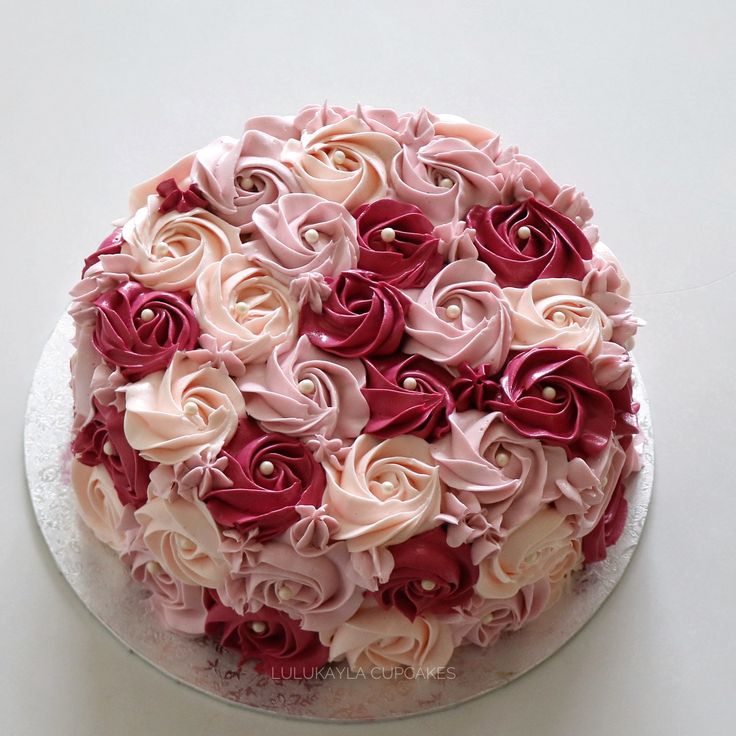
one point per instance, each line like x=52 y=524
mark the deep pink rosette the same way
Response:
x=281 y=647
x=139 y=330
x=270 y=474
x=109 y=246
x=361 y=318
x=407 y=394
x=550 y=394
x=428 y=576
x=102 y=440
x=397 y=243
x=610 y=527
x=526 y=241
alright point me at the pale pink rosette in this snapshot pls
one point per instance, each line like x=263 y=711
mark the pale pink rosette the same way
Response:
x=304 y=234
x=236 y=176
x=512 y=476
x=461 y=316
x=242 y=306
x=447 y=176
x=179 y=606
x=544 y=547
x=556 y=313
x=385 y=492
x=98 y=504
x=174 y=414
x=344 y=161
x=314 y=590
x=184 y=539
x=385 y=639
x=167 y=251
x=482 y=620
x=589 y=485
x=304 y=392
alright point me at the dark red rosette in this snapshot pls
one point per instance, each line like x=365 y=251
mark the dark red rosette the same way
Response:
x=476 y=388
x=577 y=415
x=610 y=527
x=139 y=330
x=528 y=240
x=102 y=440
x=181 y=200
x=408 y=394
x=361 y=318
x=428 y=576
x=397 y=244
x=281 y=648
x=270 y=475
x=111 y=245
x=626 y=409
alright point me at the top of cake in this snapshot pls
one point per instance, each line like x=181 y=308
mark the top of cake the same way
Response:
x=353 y=385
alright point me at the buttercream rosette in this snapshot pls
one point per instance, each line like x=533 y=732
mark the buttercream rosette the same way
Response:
x=353 y=387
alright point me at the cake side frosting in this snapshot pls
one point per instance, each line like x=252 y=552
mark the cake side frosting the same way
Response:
x=353 y=386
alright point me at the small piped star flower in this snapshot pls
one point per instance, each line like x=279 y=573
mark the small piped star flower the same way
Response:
x=181 y=200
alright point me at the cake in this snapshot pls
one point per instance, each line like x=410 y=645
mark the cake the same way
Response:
x=353 y=387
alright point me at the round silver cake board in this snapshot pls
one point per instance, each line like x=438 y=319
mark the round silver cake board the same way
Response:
x=119 y=603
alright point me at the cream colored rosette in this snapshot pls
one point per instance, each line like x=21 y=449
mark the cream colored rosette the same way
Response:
x=167 y=251
x=174 y=414
x=542 y=547
x=98 y=503
x=385 y=492
x=244 y=308
x=185 y=540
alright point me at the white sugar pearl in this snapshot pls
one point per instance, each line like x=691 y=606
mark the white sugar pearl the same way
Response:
x=257 y=627
x=285 y=593
x=191 y=408
x=266 y=467
x=524 y=232
x=502 y=459
x=241 y=308
x=306 y=386
x=388 y=234
x=453 y=311
x=247 y=183
x=428 y=585
x=311 y=236
x=387 y=486
x=161 y=249
x=409 y=383
x=152 y=567
x=184 y=544
x=549 y=393
x=108 y=449
x=487 y=619
x=446 y=183
x=147 y=315
x=558 y=317
x=339 y=157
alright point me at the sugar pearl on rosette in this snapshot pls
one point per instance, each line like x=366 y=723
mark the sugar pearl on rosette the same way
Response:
x=558 y=317
x=247 y=183
x=258 y=627
x=428 y=585
x=306 y=386
x=161 y=250
x=388 y=235
x=502 y=459
x=524 y=232
x=147 y=314
x=339 y=157
x=453 y=311
x=311 y=236
x=549 y=393
x=409 y=383
x=107 y=448
x=241 y=308
x=191 y=408
x=266 y=467
x=446 y=183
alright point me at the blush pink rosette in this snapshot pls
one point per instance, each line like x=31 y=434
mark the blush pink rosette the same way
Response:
x=543 y=547
x=511 y=475
x=174 y=414
x=236 y=176
x=283 y=243
x=555 y=313
x=167 y=251
x=343 y=161
x=387 y=639
x=277 y=395
x=242 y=306
x=98 y=504
x=184 y=539
x=461 y=316
x=314 y=590
x=385 y=492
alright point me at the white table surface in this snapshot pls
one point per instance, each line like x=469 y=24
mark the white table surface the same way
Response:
x=632 y=101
